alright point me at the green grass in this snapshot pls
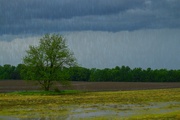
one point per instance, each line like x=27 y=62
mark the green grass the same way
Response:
x=31 y=104
x=62 y=92
x=166 y=116
x=169 y=116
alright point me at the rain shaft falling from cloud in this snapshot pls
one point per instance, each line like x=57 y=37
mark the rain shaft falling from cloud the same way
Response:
x=97 y=49
x=12 y=52
x=149 y=48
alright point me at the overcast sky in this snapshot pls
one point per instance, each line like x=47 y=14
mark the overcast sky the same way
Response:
x=101 y=33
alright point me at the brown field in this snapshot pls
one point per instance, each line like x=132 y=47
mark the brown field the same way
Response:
x=20 y=85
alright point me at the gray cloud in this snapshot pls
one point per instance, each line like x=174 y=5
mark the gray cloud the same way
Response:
x=100 y=49
x=102 y=33
x=143 y=48
x=13 y=51
x=44 y=16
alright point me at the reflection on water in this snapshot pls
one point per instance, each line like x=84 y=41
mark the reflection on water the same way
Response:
x=84 y=111
x=122 y=111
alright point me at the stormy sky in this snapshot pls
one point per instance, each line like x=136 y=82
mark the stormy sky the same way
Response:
x=101 y=33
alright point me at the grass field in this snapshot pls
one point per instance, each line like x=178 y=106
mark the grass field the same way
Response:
x=139 y=104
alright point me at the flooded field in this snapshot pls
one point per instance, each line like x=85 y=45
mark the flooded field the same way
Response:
x=95 y=111
x=139 y=104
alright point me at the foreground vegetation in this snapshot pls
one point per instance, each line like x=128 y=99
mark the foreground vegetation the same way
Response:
x=59 y=104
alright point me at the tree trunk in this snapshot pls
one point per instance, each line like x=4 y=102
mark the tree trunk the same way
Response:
x=46 y=88
x=46 y=85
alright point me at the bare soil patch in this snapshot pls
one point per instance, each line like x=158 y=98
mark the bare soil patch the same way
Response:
x=21 y=85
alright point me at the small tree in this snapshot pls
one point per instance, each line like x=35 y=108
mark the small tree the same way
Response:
x=45 y=62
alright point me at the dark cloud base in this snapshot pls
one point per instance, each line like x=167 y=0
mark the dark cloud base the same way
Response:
x=44 y=16
x=136 y=33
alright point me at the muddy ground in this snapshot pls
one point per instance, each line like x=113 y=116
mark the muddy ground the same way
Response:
x=21 y=85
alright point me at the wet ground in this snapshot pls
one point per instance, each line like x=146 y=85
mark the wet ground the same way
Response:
x=92 y=111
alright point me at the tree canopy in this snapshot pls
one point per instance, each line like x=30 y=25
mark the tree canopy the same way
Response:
x=45 y=61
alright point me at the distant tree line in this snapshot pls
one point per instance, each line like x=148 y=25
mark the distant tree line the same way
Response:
x=123 y=74
x=10 y=72
x=117 y=74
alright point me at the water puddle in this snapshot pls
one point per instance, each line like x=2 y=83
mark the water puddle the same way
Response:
x=89 y=111
x=7 y=118
x=122 y=111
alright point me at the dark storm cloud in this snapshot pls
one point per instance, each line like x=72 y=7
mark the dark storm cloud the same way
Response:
x=42 y=16
x=56 y=9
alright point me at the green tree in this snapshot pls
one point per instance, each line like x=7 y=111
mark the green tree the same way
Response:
x=17 y=72
x=137 y=75
x=1 y=72
x=79 y=74
x=45 y=62
x=6 y=71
